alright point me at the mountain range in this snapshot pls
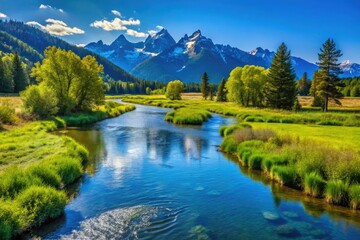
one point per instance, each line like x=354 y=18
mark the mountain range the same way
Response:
x=161 y=58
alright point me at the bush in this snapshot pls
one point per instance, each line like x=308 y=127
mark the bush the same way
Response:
x=69 y=169
x=7 y=113
x=229 y=145
x=336 y=192
x=40 y=101
x=13 y=181
x=9 y=220
x=314 y=184
x=255 y=161
x=354 y=195
x=42 y=203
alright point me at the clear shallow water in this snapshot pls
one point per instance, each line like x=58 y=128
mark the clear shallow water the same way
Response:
x=148 y=179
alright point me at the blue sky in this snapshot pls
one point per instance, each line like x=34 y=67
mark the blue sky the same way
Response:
x=302 y=24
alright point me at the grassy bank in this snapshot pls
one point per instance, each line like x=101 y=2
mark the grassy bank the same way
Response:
x=36 y=165
x=318 y=167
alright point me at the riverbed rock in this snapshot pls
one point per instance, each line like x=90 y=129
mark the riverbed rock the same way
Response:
x=287 y=230
x=318 y=234
x=290 y=214
x=214 y=193
x=271 y=216
x=199 y=188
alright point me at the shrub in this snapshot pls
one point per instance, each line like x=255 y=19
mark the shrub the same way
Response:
x=354 y=196
x=255 y=161
x=287 y=120
x=336 y=192
x=47 y=175
x=314 y=184
x=13 y=181
x=330 y=123
x=69 y=169
x=42 y=203
x=285 y=175
x=40 y=100
x=7 y=113
x=9 y=220
x=229 y=145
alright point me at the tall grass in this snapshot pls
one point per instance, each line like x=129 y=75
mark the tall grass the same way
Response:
x=314 y=184
x=7 y=113
x=354 y=196
x=188 y=116
x=336 y=192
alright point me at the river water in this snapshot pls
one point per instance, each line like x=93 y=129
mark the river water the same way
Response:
x=148 y=179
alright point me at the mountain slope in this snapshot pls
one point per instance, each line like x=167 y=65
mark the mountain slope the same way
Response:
x=39 y=41
x=350 y=69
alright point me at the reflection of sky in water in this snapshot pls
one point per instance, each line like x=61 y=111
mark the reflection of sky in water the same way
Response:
x=149 y=162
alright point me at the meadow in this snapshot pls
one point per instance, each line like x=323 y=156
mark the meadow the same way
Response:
x=36 y=165
x=308 y=150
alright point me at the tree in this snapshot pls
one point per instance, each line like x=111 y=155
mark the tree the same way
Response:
x=75 y=82
x=280 y=89
x=21 y=79
x=246 y=85
x=205 y=85
x=221 y=93
x=6 y=78
x=174 y=90
x=304 y=85
x=329 y=82
x=317 y=100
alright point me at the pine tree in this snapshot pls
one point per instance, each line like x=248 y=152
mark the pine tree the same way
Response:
x=205 y=85
x=6 y=78
x=19 y=75
x=280 y=90
x=317 y=100
x=304 y=85
x=329 y=82
x=221 y=93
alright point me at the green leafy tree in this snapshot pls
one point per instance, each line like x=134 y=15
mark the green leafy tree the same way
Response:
x=21 y=80
x=246 y=85
x=205 y=90
x=329 y=86
x=304 y=85
x=6 y=77
x=280 y=91
x=75 y=82
x=317 y=100
x=174 y=90
x=221 y=93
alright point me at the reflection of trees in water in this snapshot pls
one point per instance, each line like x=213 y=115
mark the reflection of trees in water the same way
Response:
x=93 y=140
x=193 y=146
x=159 y=144
x=314 y=207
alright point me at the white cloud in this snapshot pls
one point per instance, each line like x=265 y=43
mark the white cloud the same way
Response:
x=80 y=45
x=43 y=6
x=135 y=33
x=57 y=27
x=115 y=24
x=116 y=13
x=159 y=27
x=2 y=15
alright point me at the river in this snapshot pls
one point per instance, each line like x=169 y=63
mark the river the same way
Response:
x=149 y=179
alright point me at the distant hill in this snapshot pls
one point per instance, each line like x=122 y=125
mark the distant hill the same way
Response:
x=161 y=58
x=31 y=42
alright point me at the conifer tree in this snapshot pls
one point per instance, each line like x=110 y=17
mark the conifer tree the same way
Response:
x=221 y=93
x=205 y=85
x=6 y=79
x=19 y=75
x=317 y=100
x=304 y=85
x=329 y=82
x=280 y=89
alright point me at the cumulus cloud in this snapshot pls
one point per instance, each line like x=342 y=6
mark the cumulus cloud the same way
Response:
x=43 y=6
x=135 y=33
x=57 y=27
x=116 y=24
x=2 y=15
x=116 y=13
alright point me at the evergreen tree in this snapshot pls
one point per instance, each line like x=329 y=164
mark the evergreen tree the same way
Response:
x=280 y=89
x=317 y=100
x=304 y=85
x=205 y=85
x=221 y=93
x=6 y=78
x=19 y=75
x=329 y=82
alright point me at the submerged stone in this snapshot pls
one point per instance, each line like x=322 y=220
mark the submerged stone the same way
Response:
x=271 y=216
x=290 y=214
x=214 y=193
x=318 y=234
x=199 y=188
x=199 y=232
x=287 y=230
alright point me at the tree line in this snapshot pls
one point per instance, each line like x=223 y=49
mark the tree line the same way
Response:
x=13 y=74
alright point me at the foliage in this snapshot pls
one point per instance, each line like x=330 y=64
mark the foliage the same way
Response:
x=329 y=83
x=351 y=87
x=20 y=77
x=205 y=88
x=245 y=85
x=188 y=116
x=280 y=89
x=174 y=90
x=6 y=113
x=304 y=85
x=75 y=82
x=40 y=101
x=336 y=192
x=222 y=92
x=354 y=196
x=314 y=184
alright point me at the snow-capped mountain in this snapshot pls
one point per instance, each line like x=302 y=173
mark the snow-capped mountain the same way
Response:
x=161 y=58
x=350 y=69
x=127 y=55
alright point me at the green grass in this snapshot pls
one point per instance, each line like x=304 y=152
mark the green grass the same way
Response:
x=336 y=192
x=314 y=184
x=354 y=196
x=188 y=116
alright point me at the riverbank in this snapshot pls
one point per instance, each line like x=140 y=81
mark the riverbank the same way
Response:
x=310 y=151
x=37 y=165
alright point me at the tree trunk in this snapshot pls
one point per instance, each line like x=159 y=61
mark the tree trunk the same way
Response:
x=326 y=104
